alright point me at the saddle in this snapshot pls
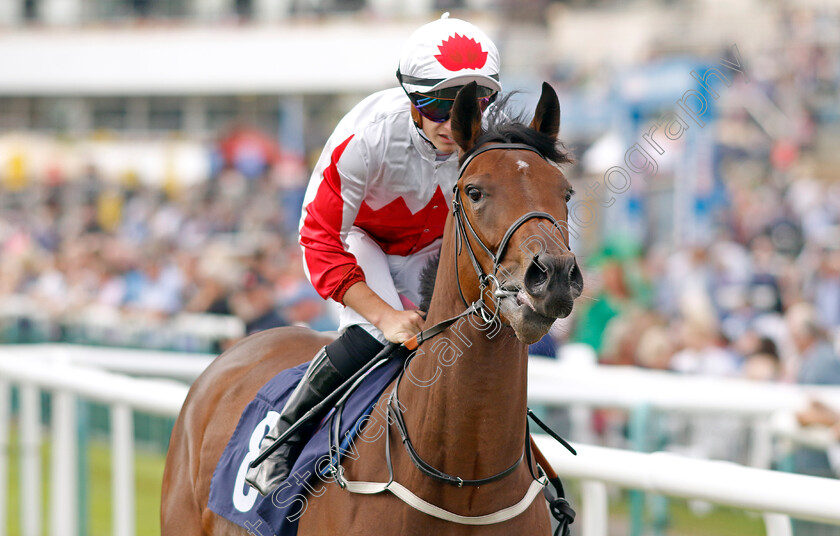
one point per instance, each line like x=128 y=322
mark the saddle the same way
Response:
x=278 y=513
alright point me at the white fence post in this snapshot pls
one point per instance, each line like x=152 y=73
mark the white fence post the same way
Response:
x=5 y=423
x=777 y=524
x=761 y=453
x=594 y=516
x=30 y=456
x=64 y=478
x=122 y=469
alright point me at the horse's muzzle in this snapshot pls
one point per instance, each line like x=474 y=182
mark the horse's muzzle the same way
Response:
x=553 y=282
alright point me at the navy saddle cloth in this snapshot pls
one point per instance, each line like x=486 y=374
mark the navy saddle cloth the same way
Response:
x=278 y=513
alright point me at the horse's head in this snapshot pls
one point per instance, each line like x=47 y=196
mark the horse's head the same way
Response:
x=512 y=232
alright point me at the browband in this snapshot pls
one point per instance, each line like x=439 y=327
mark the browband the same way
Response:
x=496 y=146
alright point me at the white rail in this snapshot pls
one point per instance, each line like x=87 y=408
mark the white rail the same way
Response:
x=555 y=382
x=766 y=407
x=771 y=492
x=68 y=381
x=551 y=382
x=154 y=363
x=102 y=324
x=55 y=368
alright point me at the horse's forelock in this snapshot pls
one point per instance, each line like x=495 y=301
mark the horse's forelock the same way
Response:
x=504 y=126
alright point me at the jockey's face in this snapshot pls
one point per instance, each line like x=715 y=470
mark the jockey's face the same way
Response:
x=440 y=134
x=432 y=113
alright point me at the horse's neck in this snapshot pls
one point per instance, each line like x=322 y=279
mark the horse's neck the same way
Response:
x=464 y=393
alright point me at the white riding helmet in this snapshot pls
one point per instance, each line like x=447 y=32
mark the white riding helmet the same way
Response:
x=448 y=53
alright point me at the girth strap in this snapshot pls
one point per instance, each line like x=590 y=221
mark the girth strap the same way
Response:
x=406 y=495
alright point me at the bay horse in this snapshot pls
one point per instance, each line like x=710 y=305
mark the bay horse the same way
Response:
x=505 y=258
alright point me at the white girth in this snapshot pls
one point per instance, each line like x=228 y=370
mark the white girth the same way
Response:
x=409 y=498
x=405 y=494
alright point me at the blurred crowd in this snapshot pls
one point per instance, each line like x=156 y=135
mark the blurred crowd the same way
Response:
x=764 y=306
x=759 y=297
x=224 y=246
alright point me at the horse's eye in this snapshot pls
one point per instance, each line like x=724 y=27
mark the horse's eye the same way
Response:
x=474 y=193
x=569 y=195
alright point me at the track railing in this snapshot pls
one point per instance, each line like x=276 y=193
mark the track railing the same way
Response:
x=777 y=495
x=67 y=382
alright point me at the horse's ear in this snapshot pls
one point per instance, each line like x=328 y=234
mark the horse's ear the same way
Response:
x=466 y=117
x=547 y=116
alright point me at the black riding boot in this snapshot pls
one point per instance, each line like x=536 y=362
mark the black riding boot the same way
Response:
x=319 y=380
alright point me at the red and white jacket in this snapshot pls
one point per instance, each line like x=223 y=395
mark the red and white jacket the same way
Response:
x=377 y=173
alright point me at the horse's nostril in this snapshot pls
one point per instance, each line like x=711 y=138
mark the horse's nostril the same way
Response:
x=553 y=276
x=575 y=278
x=536 y=278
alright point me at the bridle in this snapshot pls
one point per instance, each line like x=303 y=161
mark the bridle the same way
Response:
x=394 y=411
x=463 y=224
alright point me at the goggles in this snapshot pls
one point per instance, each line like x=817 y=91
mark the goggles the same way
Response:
x=438 y=109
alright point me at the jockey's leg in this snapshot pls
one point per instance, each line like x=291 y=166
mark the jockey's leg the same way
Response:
x=389 y=277
x=332 y=365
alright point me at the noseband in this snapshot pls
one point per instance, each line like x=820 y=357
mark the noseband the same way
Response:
x=462 y=224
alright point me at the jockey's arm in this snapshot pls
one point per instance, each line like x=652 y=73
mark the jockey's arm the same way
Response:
x=397 y=326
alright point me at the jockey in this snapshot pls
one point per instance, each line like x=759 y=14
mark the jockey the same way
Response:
x=374 y=213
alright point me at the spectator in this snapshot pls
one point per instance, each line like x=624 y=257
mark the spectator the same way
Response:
x=158 y=289
x=254 y=304
x=819 y=414
x=816 y=361
x=608 y=301
x=817 y=364
x=655 y=348
x=702 y=351
x=818 y=463
x=763 y=363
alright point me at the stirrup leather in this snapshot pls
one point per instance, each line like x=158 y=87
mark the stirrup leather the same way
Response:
x=319 y=380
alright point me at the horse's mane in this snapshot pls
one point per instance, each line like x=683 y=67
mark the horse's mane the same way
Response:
x=502 y=125
x=427 y=282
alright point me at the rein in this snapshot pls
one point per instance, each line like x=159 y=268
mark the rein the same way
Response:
x=426 y=468
x=559 y=506
x=539 y=483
